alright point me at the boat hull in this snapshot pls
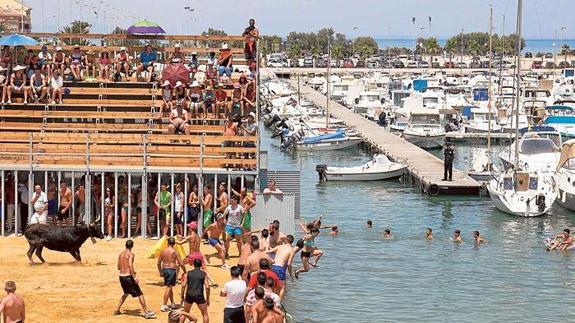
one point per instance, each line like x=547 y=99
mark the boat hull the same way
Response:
x=366 y=176
x=516 y=204
x=425 y=141
x=336 y=144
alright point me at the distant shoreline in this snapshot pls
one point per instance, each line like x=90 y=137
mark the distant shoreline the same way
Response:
x=531 y=45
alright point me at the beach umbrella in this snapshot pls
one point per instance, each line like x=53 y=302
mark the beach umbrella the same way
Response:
x=176 y=72
x=145 y=27
x=17 y=40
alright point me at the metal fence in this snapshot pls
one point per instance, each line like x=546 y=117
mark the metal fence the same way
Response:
x=271 y=207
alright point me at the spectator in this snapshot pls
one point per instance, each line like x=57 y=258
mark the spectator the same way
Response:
x=38 y=84
x=6 y=58
x=76 y=58
x=179 y=90
x=251 y=127
x=179 y=120
x=212 y=60
x=10 y=197
x=166 y=97
x=40 y=203
x=57 y=86
x=109 y=213
x=68 y=77
x=230 y=127
x=90 y=63
x=249 y=96
x=4 y=83
x=163 y=202
x=237 y=104
x=234 y=292
x=177 y=56
x=243 y=79
x=208 y=101
x=251 y=34
x=59 y=59
x=221 y=101
x=225 y=61
x=18 y=84
x=272 y=189
x=104 y=66
x=30 y=61
x=45 y=61
x=122 y=64
x=195 y=97
x=194 y=64
x=147 y=59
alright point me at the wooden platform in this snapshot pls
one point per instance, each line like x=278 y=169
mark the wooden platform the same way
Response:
x=425 y=168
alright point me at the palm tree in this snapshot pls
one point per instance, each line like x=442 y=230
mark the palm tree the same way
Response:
x=337 y=52
x=315 y=51
x=432 y=47
x=77 y=27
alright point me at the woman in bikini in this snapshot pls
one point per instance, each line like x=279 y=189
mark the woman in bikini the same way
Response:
x=104 y=66
x=76 y=59
x=309 y=250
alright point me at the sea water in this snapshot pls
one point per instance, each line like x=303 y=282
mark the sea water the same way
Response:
x=364 y=278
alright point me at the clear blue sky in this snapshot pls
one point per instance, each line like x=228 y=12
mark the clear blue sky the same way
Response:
x=376 y=18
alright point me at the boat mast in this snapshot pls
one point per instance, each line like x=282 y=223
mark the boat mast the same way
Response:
x=518 y=77
x=327 y=81
x=489 y=90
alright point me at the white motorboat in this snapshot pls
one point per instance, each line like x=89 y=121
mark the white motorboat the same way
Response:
x=565 y=176
x=424 y=130
x=379 y=168
x=481 y=167
x=369 y=105
x=538 y=152
x=481 y=117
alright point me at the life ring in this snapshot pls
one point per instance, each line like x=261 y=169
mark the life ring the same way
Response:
x=433 y=190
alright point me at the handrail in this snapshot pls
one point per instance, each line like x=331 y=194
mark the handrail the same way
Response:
x=138 y=36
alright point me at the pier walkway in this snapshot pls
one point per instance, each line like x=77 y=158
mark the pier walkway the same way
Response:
x=424 y=168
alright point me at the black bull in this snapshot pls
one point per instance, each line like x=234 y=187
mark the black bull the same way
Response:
x=65 y=239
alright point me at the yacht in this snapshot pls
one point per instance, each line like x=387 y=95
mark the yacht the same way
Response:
x=369 y=104
x=538 y=152
x=424 y=130
x=480 y=121
x=565 y=175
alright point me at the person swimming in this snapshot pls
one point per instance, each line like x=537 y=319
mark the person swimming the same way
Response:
x=457 y=236
x=387 y=234
x=428 y=234
x=369 y=224
x=334 y=231
x=477 y=238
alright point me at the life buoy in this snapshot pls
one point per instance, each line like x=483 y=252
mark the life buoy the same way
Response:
x=433 y=190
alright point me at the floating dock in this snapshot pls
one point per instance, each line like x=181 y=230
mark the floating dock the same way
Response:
x=425 y=169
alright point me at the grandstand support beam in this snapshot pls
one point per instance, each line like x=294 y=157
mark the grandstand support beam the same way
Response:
x=73 y=207
x=102 y=202
x=172 y=202
x=129 y=215
x=185 y=202
x=144 y=215
x=16 y=203
x=2 y=192
x=87 y=198
x=30 y=175
x=215 y=195
x=201 y=198
x=115 y=204
x=158 y=214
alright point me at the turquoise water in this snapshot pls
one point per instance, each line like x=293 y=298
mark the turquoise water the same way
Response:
x=364 y=278
x=531 y=45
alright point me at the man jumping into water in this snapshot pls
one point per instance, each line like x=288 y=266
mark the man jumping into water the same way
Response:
x=428 y=234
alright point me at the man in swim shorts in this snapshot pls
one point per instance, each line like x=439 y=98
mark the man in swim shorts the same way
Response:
x=207 y=203
x=283 y=261
x=168 y=262
x=65 y=203
x=214 y=231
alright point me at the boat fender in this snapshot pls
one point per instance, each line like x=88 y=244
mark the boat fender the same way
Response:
x=433 y=190
x=540 y=202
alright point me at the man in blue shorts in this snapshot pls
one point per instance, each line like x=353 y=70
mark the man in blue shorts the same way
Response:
x=235 y=215
x=283 y=259
x=214 y=231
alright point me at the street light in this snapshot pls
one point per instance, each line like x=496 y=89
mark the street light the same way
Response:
x=191 y=10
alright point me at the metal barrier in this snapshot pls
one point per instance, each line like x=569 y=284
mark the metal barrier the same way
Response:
x=271 y=207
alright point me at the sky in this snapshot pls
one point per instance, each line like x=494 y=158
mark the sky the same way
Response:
x=375 y=18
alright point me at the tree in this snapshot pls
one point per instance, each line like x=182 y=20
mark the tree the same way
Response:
x=123 y=42
x=432 y=47
x=294 y=51
x=213 y=43
x=365 y=46
x=76 y=27
x=270 y=44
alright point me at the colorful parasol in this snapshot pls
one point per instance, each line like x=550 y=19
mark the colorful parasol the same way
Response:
x=145 y=27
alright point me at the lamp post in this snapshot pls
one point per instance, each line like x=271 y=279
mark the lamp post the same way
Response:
x=22 y=16
x=191 y=10
x=563 y=28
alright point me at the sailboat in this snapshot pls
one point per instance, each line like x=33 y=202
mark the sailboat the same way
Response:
x=522 y=192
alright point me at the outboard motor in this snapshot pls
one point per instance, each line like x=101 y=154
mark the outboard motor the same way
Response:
x=321 y=169
x=540 y=202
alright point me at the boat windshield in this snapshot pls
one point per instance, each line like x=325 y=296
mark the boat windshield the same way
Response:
x=340 y=87
x=537 y=146
x=369 y=98
x=430 y=101
x=424 y=119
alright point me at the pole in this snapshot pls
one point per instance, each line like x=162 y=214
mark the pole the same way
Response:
x=22 y=15
x=298 y=91
x=328 y=81
x=461 y=65
x=518 y=76
x=489 y=91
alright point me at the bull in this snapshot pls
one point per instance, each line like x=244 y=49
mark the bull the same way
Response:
x=64 y=239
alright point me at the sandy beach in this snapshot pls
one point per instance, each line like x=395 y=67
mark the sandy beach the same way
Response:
x=62 y=290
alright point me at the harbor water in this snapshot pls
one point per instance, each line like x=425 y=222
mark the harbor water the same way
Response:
x=364 y=278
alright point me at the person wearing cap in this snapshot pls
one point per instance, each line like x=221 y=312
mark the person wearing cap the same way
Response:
x=179 y=90
x=194 y=63
x=221 y=102
x=104 y=65
x=193 y=239
x=57 y=86
x=195 y=97
x=18 y=84
x=251 y=34
x=45 y=61
x=251 y=127
x=237 y=104
x=212 y=59
x=167 y=97
x=60 y=59
x=225 y=61
x=177 y=56
x=122 y=62
x=208 y=101
x=38 y=84
x=147 y=59
x=89 y=62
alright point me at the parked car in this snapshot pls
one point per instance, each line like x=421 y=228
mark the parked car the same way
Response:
x=528 y=55
x=537 y=65
x=398 y=64
x=360 y=63
x=485 y=64
x=347 y=63
x=475 y=64
x=550 y=65
x=411 y=64
x=461 y=65
x=564 y=64
x=423 y=64
x=320 y=63
x=308 y=62
x=548 y=55
x=449 y=65
x=277 y=64
x=435 y=65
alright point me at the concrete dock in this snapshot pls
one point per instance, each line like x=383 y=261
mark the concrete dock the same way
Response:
x=424 y=168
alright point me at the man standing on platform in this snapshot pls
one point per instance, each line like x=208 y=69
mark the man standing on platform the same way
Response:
x=448 y=157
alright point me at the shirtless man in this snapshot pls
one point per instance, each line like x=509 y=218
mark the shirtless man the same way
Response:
x=283 y=260
x=247 y=203
x=65 y=203
x=272 y=314
x=265 y=240
x=222 y=198
x=168 y=262
x=272 y=189
x=387 y=234
x=457 y=236
x=130 y=284
x=80 y=195
x=567 y=241
x=207 y=202
x=276 y=237
x=193 y=240
x=334 y=231
x=245 y=253
x=428 y=234
x=214 y=231
x=477 y=238
x=12 y=307
x=253 y=260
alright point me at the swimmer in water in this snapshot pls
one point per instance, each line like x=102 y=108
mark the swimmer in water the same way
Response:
x=457 y=236
x=477 y=238
x=428 y=234
x=334 y=231
x=387 y=234
x=369 y=224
